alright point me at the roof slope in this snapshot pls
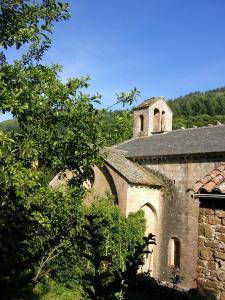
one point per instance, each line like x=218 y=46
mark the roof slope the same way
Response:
x=214 y=182
x=149 y=102
x=133 y=172
x=177 y=142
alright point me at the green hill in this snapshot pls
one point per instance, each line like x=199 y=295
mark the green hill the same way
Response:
x=195 y=109
x=199 y=108
x=9 y=125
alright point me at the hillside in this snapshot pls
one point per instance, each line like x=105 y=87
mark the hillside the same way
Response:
x=9 y=125
x=195 y=109
x=199 y=108
x=211 y=103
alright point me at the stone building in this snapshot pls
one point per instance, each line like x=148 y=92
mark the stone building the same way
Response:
x=210 y=190
x=156 y=171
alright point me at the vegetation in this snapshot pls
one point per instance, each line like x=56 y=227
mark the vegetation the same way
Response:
x=56 y=245
x=42 y=230
x=195 y=109
x=199 y=109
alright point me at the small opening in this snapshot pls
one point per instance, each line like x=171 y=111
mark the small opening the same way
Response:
x=174 y=252
x=156 y=120
x=141 y=122
x=163 y=121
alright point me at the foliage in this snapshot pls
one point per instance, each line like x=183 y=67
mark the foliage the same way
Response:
x=58 y=129
x=198 y=121
x=107 y=240
x=116 y=126
x=29 y=22
x=51 y=290
x=211 y=103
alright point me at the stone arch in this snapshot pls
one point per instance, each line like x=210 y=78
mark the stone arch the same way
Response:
x=174 y=252
x=141 y=120
x=163 y=121
x=156 y=120
x=151 y=227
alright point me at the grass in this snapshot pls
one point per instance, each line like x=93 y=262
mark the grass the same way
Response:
x=54 y=291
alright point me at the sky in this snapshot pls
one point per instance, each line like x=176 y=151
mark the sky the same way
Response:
x=163 y=47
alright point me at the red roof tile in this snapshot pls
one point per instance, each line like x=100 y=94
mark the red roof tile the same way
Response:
x=212 y=182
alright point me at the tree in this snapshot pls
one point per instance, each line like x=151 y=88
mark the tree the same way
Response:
x=59 y=129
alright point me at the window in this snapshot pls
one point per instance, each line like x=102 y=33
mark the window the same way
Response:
x=163 y=121
x=174 y=252
x=141 y=122
x=156 y=120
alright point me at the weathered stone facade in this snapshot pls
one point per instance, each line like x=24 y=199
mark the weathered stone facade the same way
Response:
x=156 y=171
x=211 y=252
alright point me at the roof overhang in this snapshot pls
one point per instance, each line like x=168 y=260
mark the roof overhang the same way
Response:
x=209 y=196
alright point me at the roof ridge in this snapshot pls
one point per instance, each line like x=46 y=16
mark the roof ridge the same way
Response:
x=196 y=128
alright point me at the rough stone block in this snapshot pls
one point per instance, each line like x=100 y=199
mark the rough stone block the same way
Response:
x=206 y=254
x=222 y=265
x=212 y=265
x=201 y=241
x=222 y=296
x=207 y=211
x=212 y=285
x=223 y=221
x=220 y=213
x=221 y=237
x=202 y=219
x=220 y=255
x=202 y=263
x=212 y=244
x=214 y=220
x=208 y=231
x=221 y=276
x=220 y=228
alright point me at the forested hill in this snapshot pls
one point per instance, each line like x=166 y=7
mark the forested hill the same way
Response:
x=199 y=108
x=195 y=109
x=211 y=103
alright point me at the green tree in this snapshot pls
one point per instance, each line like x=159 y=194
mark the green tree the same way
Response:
x=59 y=129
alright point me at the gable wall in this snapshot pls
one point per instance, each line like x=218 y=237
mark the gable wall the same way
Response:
x=151 y=201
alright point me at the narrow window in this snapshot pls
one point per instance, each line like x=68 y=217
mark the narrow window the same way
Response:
x=163 y=121
x=174 y=253
x=141 y=122
x=156 y=120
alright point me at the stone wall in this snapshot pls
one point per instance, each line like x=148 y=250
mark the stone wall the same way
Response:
x=182 y=210
x=211 y=259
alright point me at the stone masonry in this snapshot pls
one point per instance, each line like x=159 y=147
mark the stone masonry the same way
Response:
x=211 y=258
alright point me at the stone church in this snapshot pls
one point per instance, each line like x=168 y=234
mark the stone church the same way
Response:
x=158 y=171
x=177 y=177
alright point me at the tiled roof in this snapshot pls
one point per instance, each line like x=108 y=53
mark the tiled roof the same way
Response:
x=149 y=102
x=177 y=142
x=132 y=172
x=212 y=182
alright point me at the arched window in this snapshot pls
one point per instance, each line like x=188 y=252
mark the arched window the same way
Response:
x=141 y=122
x=163 y=121
x=174 y=252
x=151 y=221
x=156 y=120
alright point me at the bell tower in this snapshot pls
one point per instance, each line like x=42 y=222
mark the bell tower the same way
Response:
x=151 y=117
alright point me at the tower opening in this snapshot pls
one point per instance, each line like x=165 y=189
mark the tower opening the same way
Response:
x=141 y=122
x=156 y=120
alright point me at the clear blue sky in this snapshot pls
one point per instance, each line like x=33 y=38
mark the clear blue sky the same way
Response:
x=162 y=47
